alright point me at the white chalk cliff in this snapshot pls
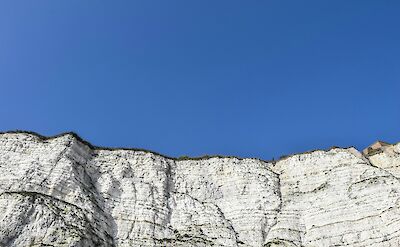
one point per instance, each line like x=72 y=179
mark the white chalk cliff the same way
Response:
x=62 y=191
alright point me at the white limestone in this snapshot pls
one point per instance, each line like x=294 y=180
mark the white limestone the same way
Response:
x=61 y=191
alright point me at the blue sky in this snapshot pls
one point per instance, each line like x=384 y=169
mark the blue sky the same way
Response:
x=246 y=78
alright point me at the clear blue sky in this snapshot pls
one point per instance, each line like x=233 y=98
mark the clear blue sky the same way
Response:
x=246 y=78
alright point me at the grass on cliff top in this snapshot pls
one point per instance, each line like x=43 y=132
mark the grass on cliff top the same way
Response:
x=181 y=158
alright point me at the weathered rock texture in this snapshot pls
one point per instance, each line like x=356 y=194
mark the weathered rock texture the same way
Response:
x=61 y=191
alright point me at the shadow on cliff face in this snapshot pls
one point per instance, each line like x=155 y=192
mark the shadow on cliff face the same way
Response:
x=55 y=222
x=279 y=243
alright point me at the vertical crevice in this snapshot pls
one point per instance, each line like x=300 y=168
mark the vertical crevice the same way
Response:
x=169 y=187
x=280 y=205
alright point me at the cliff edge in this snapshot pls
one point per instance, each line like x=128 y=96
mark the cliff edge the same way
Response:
x=62 y=191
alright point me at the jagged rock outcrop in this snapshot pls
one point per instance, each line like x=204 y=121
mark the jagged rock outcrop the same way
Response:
x=62 y=191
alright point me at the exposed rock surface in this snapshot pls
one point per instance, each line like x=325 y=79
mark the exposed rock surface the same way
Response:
x=61 y=191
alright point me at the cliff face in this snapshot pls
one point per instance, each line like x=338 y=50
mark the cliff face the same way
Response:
x=63 y=192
